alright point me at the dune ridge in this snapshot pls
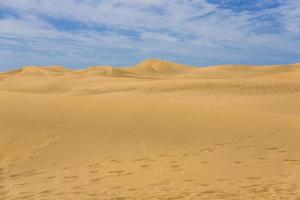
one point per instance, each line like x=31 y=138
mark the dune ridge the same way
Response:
x=156 y=76
x=159 y=68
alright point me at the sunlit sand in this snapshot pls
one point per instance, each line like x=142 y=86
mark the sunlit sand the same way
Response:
x=157 y=130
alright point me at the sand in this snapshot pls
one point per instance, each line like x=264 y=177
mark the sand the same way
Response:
x=157 y=130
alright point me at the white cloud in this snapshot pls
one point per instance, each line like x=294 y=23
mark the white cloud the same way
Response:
x=290 y=13
x=186 y=28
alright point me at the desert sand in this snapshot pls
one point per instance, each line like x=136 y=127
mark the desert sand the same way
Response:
x=157 y=130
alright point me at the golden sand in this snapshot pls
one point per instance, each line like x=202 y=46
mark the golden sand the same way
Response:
x=157 y=130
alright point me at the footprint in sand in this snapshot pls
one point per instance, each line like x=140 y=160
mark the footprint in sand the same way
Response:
x=46 y=191
x=117 y=173
x=292 y=161
x=50 y=177
x=95 y=165
x=175 y=167
x=238 y=162
x=145 y=166
x=262 y=159
x=71 y=177
x=22 y=184
x=96 y=179
x=272 y=149
x=144 y=160
x=209 y=192
x=115 y=161
x=253 y=178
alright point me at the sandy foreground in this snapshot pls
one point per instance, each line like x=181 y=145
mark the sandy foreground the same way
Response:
x=158 y=130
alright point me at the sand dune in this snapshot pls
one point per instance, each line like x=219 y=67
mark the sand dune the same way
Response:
x=157 y=130
x=294 y=75
x=157 y=68
x=39 y=71
x=160 y=68
x=101 y=71
x=239 y=71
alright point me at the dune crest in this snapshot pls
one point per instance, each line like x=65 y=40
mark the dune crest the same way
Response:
x=39 y=71
x=100 y=71
x=154 y=75
x=159 y=68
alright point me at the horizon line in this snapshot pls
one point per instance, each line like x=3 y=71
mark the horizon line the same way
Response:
x=149 y=60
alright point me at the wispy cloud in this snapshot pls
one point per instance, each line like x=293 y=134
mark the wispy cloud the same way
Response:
x=290 y=16
x=202 y=32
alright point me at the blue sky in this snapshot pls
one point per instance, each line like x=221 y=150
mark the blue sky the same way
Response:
x=80 y=33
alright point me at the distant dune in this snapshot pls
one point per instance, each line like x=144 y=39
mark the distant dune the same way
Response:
x=39 y=71
x=156 y=130
x=158 y=68
x=104 y=79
